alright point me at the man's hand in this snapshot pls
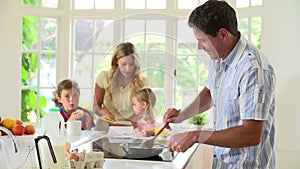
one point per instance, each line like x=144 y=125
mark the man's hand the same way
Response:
x=170 y=116
x=183 y=141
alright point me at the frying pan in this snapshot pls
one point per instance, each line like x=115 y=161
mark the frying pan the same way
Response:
x=134 y=150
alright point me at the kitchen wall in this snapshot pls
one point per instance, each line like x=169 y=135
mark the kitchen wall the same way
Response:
x=10 y=54
x=280 y=41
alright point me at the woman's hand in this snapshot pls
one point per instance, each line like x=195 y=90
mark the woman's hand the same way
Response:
x=106 y=114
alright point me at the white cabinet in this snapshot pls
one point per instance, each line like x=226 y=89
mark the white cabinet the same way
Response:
x=202 y=158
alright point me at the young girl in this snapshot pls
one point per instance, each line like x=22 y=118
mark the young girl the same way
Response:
x=67 y=98
x=143 y=102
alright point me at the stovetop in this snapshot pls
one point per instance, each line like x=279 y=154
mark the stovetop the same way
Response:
x=112 y=149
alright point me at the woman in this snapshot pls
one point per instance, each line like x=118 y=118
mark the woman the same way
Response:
x=66 y=98
x=113 y=87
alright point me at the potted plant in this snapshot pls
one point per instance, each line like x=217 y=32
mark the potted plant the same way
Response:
x=199 y=120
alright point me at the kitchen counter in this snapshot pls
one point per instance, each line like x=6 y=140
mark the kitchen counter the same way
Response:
x=179 y=162
x=84 y=141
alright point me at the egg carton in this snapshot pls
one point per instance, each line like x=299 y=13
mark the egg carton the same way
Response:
x=92 y=160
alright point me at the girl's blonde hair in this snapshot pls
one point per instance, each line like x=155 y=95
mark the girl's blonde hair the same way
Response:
x=148 y=96
x=125 y=49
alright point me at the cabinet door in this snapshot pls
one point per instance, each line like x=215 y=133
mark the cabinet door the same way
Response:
x=202 y=158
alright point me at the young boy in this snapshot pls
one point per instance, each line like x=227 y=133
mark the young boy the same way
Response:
x=67 y=98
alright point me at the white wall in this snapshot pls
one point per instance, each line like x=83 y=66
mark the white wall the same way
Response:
x=281 y=42
x=10 y=64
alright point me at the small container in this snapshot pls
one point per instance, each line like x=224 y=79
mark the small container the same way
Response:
x=73 y=127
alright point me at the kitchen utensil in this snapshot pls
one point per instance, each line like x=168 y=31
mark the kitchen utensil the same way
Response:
x=149 y=143
x=134 y=150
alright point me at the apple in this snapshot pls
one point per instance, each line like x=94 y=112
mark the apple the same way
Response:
x=18 y=129
x=8 y=123
x=29 y=129
x=17 y=121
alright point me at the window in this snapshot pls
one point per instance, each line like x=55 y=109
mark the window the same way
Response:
x=191 y=4
x=250 y=19
x=38 y=65
x=95 y=40
x=145 y=4
x=93 y=4
x=42 y=3
x=151 y=39
x=80 y=36
x=250 y=28
x=92 y=50
x=248 y=3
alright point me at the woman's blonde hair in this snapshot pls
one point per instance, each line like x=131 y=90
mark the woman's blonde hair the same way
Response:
x=148 y=96
x=125 y=49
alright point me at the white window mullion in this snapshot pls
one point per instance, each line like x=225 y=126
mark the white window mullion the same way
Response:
x=64 y=42
x=171 y=66
x=39 y=53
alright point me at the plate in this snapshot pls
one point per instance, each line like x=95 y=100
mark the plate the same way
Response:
x=121 y=132
x=116 y=123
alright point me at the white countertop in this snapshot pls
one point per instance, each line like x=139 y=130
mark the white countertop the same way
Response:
x=179 y=162
x=87 y=137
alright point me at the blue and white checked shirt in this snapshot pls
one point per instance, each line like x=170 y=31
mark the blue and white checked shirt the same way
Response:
x=242 y=87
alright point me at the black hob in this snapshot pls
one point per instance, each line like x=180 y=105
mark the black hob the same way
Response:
x=112 y=149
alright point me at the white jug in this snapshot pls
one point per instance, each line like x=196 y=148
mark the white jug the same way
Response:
x=54 y=125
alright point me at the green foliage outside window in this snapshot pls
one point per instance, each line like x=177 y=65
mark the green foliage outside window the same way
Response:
x=29 y=97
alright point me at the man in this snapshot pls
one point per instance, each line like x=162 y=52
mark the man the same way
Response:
x=239 y=91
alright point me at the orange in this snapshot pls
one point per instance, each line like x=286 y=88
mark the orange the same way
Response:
x=8 y=123
x=29 y=129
